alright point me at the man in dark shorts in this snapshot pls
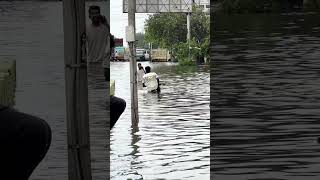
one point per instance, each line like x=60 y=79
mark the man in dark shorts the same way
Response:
x=25 y=140
x=117 y=107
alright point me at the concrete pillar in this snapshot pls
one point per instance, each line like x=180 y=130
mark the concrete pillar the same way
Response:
x=108 y=11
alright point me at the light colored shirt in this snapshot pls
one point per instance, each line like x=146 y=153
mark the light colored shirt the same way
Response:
x=98 y=44
x=140 y=75
x=150 y=81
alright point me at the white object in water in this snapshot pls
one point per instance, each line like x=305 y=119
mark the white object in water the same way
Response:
x=140 y=75
x=150 y=81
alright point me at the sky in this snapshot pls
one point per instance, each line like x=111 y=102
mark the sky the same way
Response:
x=119 y=20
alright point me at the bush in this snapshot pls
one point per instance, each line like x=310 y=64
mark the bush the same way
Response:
x=181 y=51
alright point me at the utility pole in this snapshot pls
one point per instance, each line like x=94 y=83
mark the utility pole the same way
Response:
x=189 y=31
x=150 y=53
x=188 y=26
x=75 y=57
x=133 y=61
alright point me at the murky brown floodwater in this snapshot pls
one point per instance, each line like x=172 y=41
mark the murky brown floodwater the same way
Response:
x=172 y=138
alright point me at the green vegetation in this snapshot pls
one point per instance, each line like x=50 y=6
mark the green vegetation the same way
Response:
x=169 y=30
x=141 y=43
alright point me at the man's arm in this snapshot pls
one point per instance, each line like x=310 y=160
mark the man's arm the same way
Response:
x=157 y=77
x=143 y=81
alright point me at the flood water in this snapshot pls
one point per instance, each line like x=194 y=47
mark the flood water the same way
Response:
x=171 y=140
x=265 y=89
x=32 y=34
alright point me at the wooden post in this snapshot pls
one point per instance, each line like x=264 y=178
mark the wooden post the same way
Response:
x=133 y=64
x=79 y=161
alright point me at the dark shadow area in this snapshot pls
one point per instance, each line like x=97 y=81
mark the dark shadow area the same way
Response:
x=265 y=96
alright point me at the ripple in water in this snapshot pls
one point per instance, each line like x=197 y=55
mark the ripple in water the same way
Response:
x=265 y=91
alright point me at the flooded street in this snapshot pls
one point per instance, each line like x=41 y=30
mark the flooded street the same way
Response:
x=171 y=140
x=266 y=96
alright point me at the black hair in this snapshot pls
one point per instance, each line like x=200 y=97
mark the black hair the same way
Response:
x=148 y=69
x=112 y=43
x=94 y=8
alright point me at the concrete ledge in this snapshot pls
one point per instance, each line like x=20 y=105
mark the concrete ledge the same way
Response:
x=112 y=87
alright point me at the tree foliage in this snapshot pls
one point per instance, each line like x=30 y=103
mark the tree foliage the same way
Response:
x=166 y=29
x=169 y=30
x=141 y=43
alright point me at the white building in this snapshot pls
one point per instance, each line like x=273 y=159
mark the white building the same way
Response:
x=204 y=4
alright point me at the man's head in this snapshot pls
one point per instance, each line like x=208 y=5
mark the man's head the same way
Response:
x=148 y=69
x=94 y=14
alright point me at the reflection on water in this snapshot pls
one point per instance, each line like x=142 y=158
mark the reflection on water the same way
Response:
x=172 y=138
x=32 y=34
x=265 y=92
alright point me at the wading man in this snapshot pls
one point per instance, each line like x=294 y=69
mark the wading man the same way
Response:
x=151 y=80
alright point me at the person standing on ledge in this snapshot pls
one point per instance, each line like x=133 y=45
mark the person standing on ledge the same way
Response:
x=98 y=41
x=117 y=107
x=97 y=36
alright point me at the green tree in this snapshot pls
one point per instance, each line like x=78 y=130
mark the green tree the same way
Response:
x=169 y=30
x=141 y=43
x=166 y=29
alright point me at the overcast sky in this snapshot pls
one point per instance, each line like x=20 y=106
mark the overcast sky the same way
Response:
x=119 y=20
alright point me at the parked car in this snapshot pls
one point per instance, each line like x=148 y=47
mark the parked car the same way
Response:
x=140 y=54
